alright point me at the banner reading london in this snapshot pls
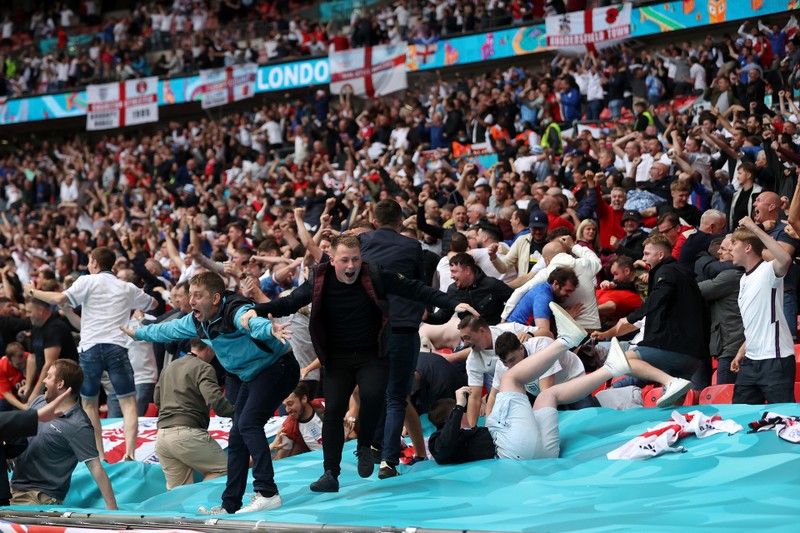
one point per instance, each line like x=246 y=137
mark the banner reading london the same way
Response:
x=126 y=103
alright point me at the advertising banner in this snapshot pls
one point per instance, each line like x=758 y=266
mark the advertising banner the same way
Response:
x=227 y=85
x=590 y=30
x=126 y=103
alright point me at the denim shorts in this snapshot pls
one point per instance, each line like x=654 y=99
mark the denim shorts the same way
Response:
x=677 y=365
x=114 y=360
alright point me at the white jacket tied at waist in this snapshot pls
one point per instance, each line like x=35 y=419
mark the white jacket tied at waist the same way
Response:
x=586 y=265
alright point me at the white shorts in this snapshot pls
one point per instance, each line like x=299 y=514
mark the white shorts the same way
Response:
x=521 y=433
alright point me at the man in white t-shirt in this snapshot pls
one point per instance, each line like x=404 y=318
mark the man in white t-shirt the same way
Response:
x=511 y=351
x=765 y=363
x=106 y=304
x=481 y=361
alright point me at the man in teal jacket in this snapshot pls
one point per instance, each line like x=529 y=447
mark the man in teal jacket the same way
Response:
x=261 y=373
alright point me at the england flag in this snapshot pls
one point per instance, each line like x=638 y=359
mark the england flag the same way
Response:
x=369 y=72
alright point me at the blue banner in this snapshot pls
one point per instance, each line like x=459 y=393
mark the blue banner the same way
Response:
x=447 y=52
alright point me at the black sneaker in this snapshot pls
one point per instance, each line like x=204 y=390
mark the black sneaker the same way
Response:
x=387 y=471
x=326 y=483
x=365 y=465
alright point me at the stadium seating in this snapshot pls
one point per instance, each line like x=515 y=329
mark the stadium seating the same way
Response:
x=716 y=394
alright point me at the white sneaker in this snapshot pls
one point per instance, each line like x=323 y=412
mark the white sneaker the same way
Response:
x=261 y=503
x=616 y=361
x=569 y=330
x=672 y=391
x=217 y=509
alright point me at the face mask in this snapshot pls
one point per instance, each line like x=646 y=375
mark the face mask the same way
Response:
x=796 y=92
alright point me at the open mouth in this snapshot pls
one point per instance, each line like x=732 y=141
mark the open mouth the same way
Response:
x=350 y=275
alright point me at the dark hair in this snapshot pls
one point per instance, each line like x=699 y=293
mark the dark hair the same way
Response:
x=440 y=411
x=458 y=242
x=301 y=390
x=465 y=260
x=238 y=225
x=506 y=343
x=562 y=275
x=750 y=168
x=492 y=230
x=105 y=257
x=623 y=261
x=388 y=213
x=670 y=216
x=473 y=322
x=561 y=231
x=70 y=372
x=196 y=344
x=210 y=281
x=523 y=215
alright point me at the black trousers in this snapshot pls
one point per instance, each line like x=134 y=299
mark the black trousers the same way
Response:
x=767 y=380
x=341 y=375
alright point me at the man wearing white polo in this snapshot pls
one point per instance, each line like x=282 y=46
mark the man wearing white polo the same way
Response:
x=106 y=304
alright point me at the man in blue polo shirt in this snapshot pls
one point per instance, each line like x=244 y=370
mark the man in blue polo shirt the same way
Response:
x=533 y=308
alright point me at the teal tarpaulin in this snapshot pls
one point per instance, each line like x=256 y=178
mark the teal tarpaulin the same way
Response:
x=741 y=481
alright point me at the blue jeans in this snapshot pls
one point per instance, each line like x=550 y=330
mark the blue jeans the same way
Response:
x=615 y=106
x=144 y=396
x=593 y=109
x=677 y=365
x=114 y=360
x=403 y=354
x=255 y=402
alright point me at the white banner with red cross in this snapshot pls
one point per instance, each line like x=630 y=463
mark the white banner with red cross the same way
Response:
x=369 y=72
x=222 y=86
x=219 y=427
x=125 y=103
x=590 y=30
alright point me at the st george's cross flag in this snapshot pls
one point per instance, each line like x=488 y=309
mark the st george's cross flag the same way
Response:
x=369 y=72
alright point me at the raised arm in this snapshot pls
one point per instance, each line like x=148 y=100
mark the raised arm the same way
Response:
x=782 y=260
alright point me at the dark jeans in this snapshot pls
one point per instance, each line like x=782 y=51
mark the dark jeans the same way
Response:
x=767 y=380
x=790 y=312
x=724 y=374
x=403 y=354
x=254 y=404
x=342 y=373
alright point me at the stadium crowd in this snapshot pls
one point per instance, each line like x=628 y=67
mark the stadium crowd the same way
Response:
x=668 y=220
x=160 y=38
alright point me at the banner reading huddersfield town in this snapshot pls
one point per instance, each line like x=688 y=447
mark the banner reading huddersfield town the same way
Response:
x=590 y=30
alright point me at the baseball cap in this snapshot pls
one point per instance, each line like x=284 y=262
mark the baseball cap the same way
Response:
x=538 y=220
x=632 y=215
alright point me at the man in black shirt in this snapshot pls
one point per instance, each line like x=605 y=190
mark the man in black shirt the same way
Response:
x=470 y=284
x=51 y=339
x=350 y=331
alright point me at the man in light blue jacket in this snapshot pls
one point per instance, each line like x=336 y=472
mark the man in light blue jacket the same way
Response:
x=261 y=372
